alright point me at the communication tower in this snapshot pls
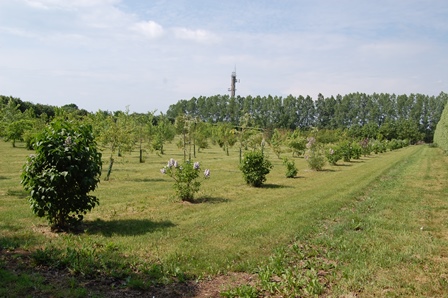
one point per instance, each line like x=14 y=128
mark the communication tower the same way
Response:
x=233 y=81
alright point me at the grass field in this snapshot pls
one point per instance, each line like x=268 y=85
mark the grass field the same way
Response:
x=371 y=227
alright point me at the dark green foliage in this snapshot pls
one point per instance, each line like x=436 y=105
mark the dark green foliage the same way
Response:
x=39 y=109
x=65 y=168
x=255 y=167
x=441 y=133
x=291 y=170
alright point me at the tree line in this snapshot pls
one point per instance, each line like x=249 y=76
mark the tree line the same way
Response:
x=351 y=111
x=247 y=123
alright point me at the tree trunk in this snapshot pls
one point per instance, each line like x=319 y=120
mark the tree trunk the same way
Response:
x=111 y=163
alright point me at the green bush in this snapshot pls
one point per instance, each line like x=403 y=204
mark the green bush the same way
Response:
x=366 y=146
x=65 y=168
x=333 y=154
x=346 y=152
x=255 y=167
x=356 y=150
x=315 y=159
x=185 y=177
x=314 y=155
x=291 y=170
x=378 y=147
x=394 y=144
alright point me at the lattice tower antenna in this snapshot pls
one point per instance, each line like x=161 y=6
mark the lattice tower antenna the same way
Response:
x=233 y=81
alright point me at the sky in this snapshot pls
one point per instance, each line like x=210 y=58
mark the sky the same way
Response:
x=146 y=55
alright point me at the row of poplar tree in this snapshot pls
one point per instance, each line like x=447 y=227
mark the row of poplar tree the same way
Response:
x=340 y=112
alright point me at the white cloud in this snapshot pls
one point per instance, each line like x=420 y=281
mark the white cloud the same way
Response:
x=69 y=4
x=149 y=29
x=198 y=35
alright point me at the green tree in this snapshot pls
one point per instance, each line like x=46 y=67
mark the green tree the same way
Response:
x=297 y=143
x=277 y=140
x=145 y=127
x=195 y=134
x=59 y=177
x=115 y=132
x=163 y=132
x=13 y=124
x=201 y=134
x=255 y=166
x=225 y=135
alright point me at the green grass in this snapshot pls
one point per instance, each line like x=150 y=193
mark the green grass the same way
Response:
x=352 y=228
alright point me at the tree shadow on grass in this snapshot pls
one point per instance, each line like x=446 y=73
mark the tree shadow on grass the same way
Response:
x=19 y=193
x=4 y=178
x=343 y=165
x=149 y=180
x=125 y=227
x=274 y=186
x=327 y=170
x=209 y=200
x=357 y=161
x=13 y=242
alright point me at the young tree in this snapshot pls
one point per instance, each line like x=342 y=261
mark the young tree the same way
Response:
x=59 y=177
x=224 y=135
x=117 y=132
x=163 y=132
x=184 y=125
x=201 y=133
x=13 y=123
x=277 y=140
x=297 y=143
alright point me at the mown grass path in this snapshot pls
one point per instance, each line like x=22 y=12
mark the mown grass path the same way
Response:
x=393 y=240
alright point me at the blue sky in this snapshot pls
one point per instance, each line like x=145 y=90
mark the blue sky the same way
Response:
x=109 y=54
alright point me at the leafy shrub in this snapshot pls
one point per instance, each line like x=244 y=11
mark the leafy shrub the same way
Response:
x=366 y=146
x=291 y=170
x=297 y=143
x=345 y=150
x=315 y=159
x=378 y=147
x=255 y=167
x=185 y=177
x=356 y=150
x=333 y=155
x=314 y=155
x=65 y=168
x=394 y=144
